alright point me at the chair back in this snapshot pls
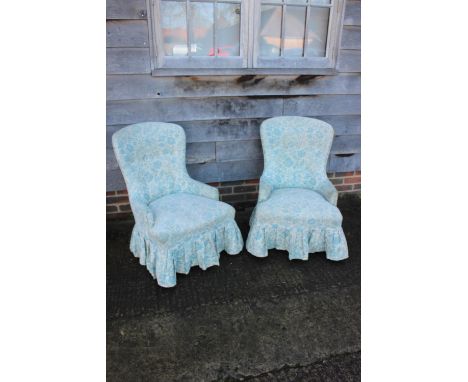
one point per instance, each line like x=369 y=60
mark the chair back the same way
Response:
x=296 y=151
x=151 y=156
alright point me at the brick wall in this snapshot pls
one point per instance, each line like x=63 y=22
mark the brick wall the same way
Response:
x=240 y=194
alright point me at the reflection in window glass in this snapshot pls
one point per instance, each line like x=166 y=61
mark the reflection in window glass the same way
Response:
x=174 y=28
x=201 y=22
x=294 y=31
x=318 y=30
x=320 y=2
x=228 y=29
x=270 y=31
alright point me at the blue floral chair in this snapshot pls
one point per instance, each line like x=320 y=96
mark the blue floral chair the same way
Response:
x=179 y=222
x=296 y=209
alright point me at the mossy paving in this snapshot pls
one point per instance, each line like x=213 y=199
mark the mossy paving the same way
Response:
x=249 y=319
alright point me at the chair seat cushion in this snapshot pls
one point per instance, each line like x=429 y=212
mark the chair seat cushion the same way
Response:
x=178 y=216
x=298 y=206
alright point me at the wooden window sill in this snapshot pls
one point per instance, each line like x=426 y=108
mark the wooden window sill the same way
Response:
x=240 y=72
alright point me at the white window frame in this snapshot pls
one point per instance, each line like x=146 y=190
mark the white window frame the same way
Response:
x=328 y=61
x=197 y=62
x=248 y=62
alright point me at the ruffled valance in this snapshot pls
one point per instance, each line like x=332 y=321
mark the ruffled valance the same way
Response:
x=298 y=240
x=202 y=249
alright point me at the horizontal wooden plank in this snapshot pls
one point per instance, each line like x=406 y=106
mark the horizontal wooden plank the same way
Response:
x=238 y=170
x=127 y=34
x=201 y=152
x=110 y=130
x=351 y=38
x=349 y=61
x=346 y=144
x=126 y=9
x=127 y=112
x=208 y=172
x=226 y=171
x=245 y=129
x=344 y=163
x=115 y=180
x=111 y=161
x=352 y=14
x=343 y=124
x=239 y=150
x=128 y=61
x=323 y=105
x=221 y=130
x=125 y=87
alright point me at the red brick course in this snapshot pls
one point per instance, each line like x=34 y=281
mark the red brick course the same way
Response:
x=344 y=187
x=353 y=180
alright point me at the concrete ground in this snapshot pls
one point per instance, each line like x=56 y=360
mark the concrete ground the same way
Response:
x=250 y=319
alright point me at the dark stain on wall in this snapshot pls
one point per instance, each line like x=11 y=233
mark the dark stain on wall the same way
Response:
x=245 y=78
x=303 y=79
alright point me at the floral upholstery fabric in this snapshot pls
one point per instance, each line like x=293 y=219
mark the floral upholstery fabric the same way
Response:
x=179 y=222
x=302 y=205
x=296 y=210
x=180 y=214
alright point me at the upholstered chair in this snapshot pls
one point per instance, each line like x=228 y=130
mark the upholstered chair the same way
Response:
x=296 y=209
x=179 y=222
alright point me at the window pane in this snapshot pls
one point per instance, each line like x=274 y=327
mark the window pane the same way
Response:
x=270 y=31
x=228 y=29
x=294 y=31
x=297 y=1
x=318 y=29
x=174 y=28
x=320 y=2
x=201 y=22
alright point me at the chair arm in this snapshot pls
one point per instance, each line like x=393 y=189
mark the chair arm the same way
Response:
x=143 y=216
x=202 y=189
x=264 y=190
x=328 y=191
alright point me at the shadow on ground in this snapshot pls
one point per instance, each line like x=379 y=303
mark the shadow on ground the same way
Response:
x=250 y=319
